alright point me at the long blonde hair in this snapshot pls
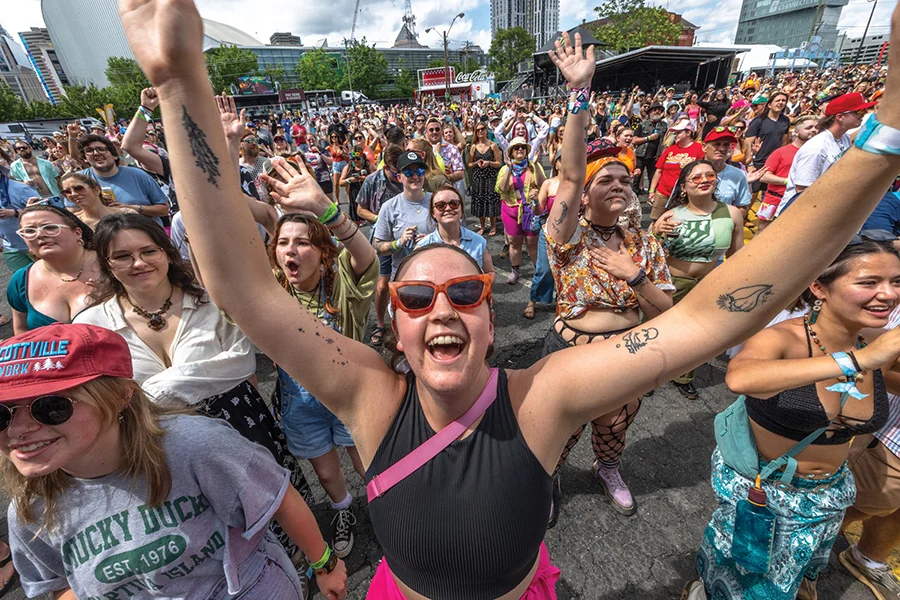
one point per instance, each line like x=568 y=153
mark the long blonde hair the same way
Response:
x=141 y=437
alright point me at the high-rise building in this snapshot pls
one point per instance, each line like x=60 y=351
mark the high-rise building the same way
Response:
x=789 y=23
x=87 y=33
x=16 y=71
x=45 y=62
x=865 y=52
x=284 y=38
x=540 y=18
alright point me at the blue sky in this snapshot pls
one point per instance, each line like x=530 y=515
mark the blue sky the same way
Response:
x=380 y=20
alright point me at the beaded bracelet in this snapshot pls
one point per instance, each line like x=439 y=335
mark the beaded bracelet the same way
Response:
x=332 y=225
x=329 y=214
x=641 y=277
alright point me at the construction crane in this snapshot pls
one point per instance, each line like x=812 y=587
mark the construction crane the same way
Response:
x=353 y=27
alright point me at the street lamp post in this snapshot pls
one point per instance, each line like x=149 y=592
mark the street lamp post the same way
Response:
x=444 y=35
x=863 y=40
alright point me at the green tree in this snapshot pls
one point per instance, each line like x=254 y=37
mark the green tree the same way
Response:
x=317 y=70
x=11 y=106
x=632 y=24
x=82 y=101
x=508 y=48
x=226 y=63
x=37 y=109
x=276 y=73
x=405 y=84
x=365 y=67
x=126 y=80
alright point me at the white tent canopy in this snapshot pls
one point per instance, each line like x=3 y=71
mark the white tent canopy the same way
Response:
x=757 y=59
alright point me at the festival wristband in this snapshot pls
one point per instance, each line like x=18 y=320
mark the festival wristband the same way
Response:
x=329 y=214
x=394 y=247
x=140 y=115
x=324 y=560
x=877 y=138
x=846 y=364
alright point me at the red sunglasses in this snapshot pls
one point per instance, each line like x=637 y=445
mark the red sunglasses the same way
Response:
x=418 y=297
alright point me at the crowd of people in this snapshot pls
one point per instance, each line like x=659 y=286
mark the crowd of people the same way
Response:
x=151 y=260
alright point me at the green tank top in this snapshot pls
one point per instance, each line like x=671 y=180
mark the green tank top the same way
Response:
x=702 y=238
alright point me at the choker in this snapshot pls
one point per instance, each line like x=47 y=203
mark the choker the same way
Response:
x=605 y=233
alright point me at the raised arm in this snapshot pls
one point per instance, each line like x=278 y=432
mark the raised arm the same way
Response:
x=737 y=298
x=578 y=68
x=166 y=37
x=133 y=140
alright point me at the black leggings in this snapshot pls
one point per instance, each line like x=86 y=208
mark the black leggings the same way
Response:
x=607 y=431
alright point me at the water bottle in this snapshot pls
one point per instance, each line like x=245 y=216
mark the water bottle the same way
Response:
x=754 y=531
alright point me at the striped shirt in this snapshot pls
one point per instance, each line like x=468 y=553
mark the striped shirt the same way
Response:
x=890 y=433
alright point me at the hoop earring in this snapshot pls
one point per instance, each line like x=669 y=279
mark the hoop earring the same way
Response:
x=814 y=313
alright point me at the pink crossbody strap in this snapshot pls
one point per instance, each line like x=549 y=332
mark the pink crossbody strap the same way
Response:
x=410 y=463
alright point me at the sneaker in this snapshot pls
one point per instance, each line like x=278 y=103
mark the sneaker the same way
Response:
x=616 y=490
x=693 y=590
x=342 y=542
x=303 y=572
x=513 y=278
x=554 y=503
x=882 y=581
x=687 y=390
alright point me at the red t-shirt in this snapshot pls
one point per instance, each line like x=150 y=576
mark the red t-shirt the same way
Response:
x=779 y=164
x=670 y=163
x=298 y=132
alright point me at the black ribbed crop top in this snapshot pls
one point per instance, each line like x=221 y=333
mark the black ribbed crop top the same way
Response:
x=469 y=523
x=796 y=413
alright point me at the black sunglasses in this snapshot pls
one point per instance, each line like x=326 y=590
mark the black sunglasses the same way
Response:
x=52 y=409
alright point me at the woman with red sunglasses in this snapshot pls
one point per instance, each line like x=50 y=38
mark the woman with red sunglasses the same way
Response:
x=469 y=522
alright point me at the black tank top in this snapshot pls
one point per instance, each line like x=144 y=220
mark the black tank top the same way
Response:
x=469 y=523
x=796 y=413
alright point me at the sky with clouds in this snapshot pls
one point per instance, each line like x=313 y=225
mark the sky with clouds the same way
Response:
x=380 y=20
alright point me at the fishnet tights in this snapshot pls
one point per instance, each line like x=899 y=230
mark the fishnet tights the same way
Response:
x=608 y=441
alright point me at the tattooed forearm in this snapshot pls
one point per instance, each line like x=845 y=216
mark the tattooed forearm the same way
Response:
x=647 y=300
x=635 y=340
x=745 y=299
x=205 y=159
x=383 y=248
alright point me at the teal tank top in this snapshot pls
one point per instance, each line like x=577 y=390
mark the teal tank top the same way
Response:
x=702 y=238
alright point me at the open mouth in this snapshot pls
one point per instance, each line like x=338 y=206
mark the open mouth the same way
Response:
x=32 y=450
x=291 y=268
x=446 y=347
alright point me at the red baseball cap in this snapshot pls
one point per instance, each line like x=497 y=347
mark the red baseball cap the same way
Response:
x=847 y=103
x=721 y=133
x=59 y=357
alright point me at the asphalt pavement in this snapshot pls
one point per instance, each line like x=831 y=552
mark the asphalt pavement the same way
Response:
x=602 y=554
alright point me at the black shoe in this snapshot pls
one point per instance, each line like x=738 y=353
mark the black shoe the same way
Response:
x=554 y=503
x=343 y=522
x=687 y=390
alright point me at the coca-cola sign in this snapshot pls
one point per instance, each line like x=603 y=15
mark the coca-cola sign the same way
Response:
x=479 y=75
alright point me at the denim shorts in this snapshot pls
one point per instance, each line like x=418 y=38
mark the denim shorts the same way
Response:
x=311 y=429
x=267 y=573
x=385 y=265
x=338 y=166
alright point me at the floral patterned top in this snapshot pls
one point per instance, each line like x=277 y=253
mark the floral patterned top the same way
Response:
x=583 y=286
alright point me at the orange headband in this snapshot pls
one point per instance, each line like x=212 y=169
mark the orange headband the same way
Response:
x=594 y=167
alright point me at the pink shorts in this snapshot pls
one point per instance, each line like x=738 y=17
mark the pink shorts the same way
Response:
x=510 y=217
x=543 y=586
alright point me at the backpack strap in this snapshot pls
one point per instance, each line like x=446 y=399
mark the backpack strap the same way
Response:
x=431 y=447
x=787 y=459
